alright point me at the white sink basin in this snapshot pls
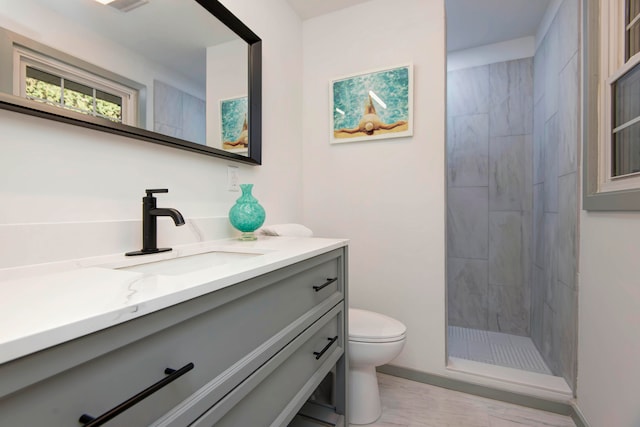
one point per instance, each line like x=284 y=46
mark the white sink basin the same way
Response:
x=188 y=264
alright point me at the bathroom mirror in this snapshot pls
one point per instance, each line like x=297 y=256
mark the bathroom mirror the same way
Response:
x=185 y=74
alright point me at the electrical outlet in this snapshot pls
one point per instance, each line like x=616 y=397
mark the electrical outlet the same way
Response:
x=233 y=178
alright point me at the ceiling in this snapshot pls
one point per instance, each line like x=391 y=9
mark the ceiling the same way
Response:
x=470 y=23
x=311 y=8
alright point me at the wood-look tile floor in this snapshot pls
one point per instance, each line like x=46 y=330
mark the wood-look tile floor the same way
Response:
x=411 y=404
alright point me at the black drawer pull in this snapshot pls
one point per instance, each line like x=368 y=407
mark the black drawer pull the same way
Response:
x=172 y=375
x=319 y=354
x=324 y=285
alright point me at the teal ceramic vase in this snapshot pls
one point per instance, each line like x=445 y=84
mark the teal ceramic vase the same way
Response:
x=247 y=215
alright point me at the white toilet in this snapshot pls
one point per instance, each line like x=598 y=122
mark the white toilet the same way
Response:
x=374 y=339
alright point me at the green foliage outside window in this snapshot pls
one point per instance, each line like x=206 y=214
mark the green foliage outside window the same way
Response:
x=45 y=87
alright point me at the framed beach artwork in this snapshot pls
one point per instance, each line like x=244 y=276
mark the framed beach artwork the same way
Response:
x=371 y=106
x=233 y=124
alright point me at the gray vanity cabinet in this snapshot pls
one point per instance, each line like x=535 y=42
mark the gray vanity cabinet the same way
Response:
x=259 y=349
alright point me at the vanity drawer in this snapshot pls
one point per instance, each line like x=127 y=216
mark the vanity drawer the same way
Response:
x=226 y=335
x=272 y=395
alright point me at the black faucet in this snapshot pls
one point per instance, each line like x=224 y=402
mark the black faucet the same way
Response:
x=150 y=214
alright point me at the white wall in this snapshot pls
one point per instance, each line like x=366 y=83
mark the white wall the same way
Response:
x=387 y=196
x=609 y=316
x=60 y=177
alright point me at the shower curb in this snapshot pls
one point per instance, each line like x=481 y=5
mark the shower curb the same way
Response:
x=568 y=409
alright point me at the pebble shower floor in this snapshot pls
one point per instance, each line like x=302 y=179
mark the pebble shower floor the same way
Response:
x=495 y=348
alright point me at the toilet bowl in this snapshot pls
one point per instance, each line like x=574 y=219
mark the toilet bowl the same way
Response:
x=374 y=339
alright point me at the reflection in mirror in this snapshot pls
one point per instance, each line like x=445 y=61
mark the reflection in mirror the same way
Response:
x=170 y=69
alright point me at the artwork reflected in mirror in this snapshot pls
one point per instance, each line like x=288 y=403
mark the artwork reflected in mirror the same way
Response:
x=233 y=124
x=163 y=67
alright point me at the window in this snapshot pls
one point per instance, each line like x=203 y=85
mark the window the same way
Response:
x=621 y=71
x=625 y=135
x=632 y=28
x=612 y=104
x=46 y=80
x=626 y=100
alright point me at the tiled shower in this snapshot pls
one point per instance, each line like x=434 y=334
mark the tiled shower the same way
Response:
x=512 y=205
x=177 y=113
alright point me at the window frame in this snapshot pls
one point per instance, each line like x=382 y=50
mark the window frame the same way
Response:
x=603 y=51
x=23 y=58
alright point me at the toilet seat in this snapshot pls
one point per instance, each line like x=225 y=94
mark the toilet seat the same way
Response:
x=369 y=327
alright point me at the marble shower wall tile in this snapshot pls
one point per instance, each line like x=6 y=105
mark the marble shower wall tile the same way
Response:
x=551 y=69
x=509 y=299
x=468 y=151
x=167 y=105
x=467 y=293
x=508 y=309
x=511 y=94
x=567 y=229
x=510 y=173
x=467 y=222
x=563 y=333
x=568 y=110
x=178 y=114
x=490 y=186
x=538 y=225
x=539 y=63
x=555 y=211
x=567 y=325
x=551 y=165
x=168 y=130
x=527 y=254
x=569 y=33
x=506 y=231
x=549 y=339
x=550 y=257
x=538 y=142
x=468 y=91
x=537 y=305
x=193 y=119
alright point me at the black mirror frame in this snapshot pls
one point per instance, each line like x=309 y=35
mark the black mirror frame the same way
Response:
x=254 y=61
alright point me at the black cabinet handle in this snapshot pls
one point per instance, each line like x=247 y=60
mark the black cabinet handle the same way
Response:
x=319 y=354
x=172 y=375
x=324 y=285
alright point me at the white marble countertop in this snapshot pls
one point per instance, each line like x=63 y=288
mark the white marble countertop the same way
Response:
x=47 y=304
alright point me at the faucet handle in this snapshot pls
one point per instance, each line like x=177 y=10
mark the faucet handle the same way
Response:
x=157 y=190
